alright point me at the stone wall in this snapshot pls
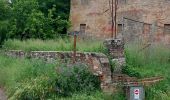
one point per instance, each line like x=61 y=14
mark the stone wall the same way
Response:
x=96 y=14
x=98 y=63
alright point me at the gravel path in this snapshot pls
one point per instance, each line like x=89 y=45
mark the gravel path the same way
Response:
x=2 y=95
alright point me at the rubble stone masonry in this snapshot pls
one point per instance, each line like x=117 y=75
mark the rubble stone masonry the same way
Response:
x=98 y=63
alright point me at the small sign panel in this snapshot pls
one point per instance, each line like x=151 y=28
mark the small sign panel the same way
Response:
x=74 y=33
x=136 y=94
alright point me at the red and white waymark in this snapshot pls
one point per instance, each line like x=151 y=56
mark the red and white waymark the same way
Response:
x=136 y=93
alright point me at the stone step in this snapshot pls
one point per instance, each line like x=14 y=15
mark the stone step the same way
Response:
x=123 y=78
x=2 y=94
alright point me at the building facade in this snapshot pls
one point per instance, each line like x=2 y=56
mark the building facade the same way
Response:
x=93 y=17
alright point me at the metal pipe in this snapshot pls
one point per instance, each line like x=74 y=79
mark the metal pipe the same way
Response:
x=112 y=20
x=115 y=19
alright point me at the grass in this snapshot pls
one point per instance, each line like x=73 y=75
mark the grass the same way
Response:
x=31 y=76
x=54 y=45
x=152 y=61
x=13 y=71
x=37 y=78
x=97 y=95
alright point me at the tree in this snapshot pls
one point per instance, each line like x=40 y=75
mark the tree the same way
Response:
x=5 y=14
x=60 y=12
x=22 y=9
x=42 y=19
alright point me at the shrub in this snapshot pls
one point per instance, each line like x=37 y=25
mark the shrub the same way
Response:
x=76 y=79
x=129 y=70
x=31 y=79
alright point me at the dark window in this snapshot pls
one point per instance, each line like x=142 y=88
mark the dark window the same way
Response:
x=82 y=28
x=84 y=2
x=167 y=28
x=119 y=28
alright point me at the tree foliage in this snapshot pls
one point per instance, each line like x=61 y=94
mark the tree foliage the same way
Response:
x=5 y=13
x=24 y=19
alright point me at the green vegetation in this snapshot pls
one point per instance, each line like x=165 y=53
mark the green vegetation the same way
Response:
x=25 y=19
x=15 y=72
x=34 y=79
x=54 y=45
x=152 y=61
x=30 y=24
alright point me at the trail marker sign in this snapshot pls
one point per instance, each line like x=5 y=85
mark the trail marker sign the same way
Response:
x=137 y=93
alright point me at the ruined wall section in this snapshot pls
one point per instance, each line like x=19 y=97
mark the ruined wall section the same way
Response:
x=98 y=63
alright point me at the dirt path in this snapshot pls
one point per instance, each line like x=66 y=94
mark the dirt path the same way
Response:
x=2 y=95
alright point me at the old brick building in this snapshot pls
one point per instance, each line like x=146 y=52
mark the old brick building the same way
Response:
x=93 y=17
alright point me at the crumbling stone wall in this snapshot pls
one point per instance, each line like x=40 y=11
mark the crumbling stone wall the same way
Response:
x=116 y=53
x=98 y=63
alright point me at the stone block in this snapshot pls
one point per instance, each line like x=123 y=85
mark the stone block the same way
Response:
x=104 y=60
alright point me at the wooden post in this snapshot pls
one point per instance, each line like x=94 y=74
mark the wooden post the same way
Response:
x=74 y=50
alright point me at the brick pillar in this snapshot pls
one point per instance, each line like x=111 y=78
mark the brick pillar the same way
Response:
x=116 y=52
